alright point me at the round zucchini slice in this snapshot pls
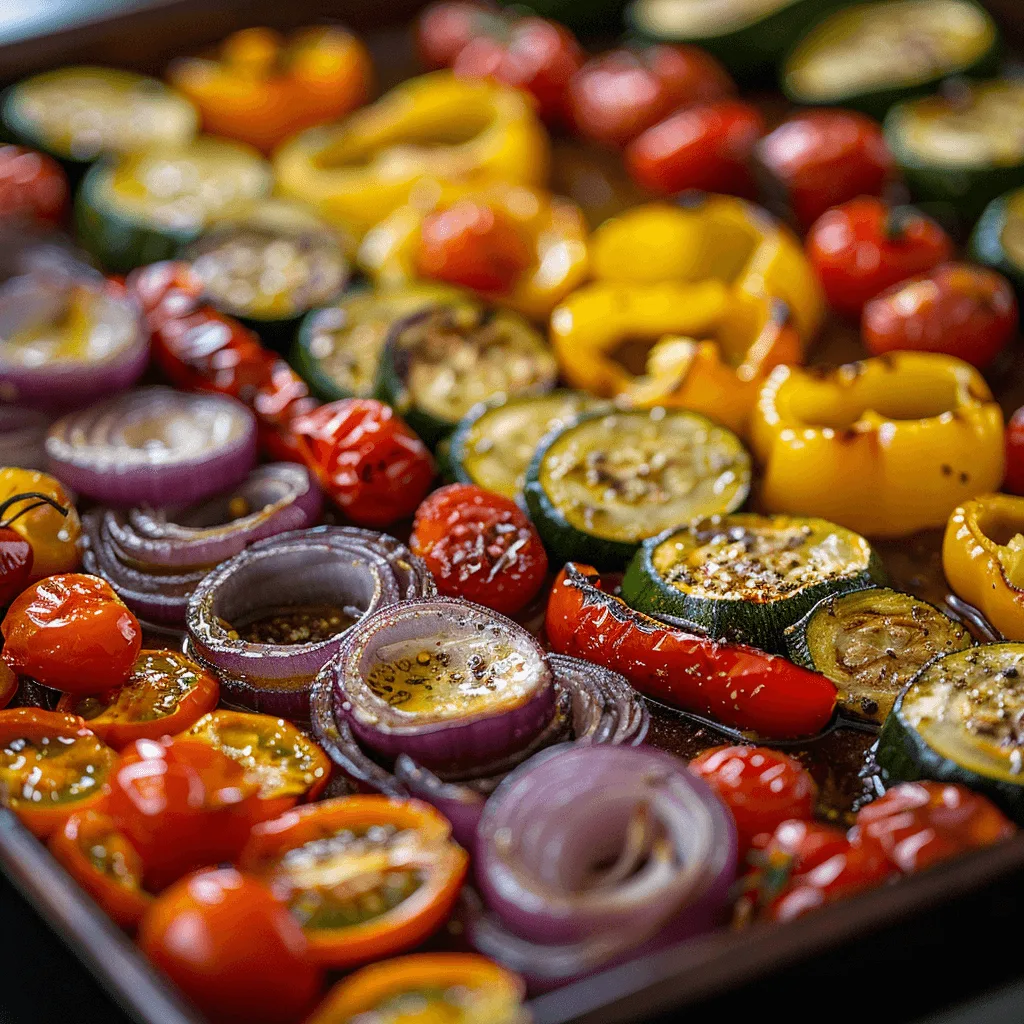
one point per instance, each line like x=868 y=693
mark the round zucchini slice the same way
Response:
x=439 y=363
x=746 y=577
x=964 y=149
x=605 y=483
x=870 y=643
x=493 y=446
x=77 y=114
x=270 y=266
x=143 y=207
x=872 y=55
x=998 y=238
x=959 y=720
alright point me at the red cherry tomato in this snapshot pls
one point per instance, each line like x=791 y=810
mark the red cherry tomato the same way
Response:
x=759 y=785
x=821 y=158
x=71 y=632
x=368 y=461
x=445 y=29
x=865 y=246
x=918 y=824
x=15 y=564
x=232 y=948
x=1014 y=482
x=480 y=546
x=616 y=96
x=473 y=245
x=32 y=186
x=956 y=308
x=803 y=845
x=706 y=147
x=533 y=54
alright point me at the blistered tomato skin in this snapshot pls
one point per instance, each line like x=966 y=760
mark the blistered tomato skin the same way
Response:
x=1014 y=480
x=957 y=309
x=15 y=565
x=71 y=632
x=232 y=948
x=480 y=546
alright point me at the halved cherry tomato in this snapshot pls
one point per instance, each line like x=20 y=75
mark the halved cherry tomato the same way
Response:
x=54 y=537
x=71 y=632
x=373 y=467
x=818 y=159
x=864 y=246
x=8 y=685
x=457 y=987
x=288 y=765
x=1014 y=481
x=444 y=29
x=473 y=245
x=761 y=787
x=704 y=147
x=956 y=308
x=51 y=765
x=480 y=546
x=165 y=693
x=182 y=805
x=366 y=876
x=32 y=185
x=617 y=95
x=918 y=824
x=224 y=940
x=99 y=857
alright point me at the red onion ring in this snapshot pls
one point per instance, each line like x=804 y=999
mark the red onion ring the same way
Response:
x=155 y=563
x=555 y=910
x=356 y=570
x=23 y=437
x=154 y=446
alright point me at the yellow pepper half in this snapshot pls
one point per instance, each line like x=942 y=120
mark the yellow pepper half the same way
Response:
x=555 y=228
x=436 y=126
x=885 y=446
x=983 y=558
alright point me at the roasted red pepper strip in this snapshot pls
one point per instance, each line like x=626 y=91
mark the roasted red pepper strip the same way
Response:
x=738 y=686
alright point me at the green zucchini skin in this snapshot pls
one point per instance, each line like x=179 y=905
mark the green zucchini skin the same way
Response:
x=310 y=369
x=986 y=243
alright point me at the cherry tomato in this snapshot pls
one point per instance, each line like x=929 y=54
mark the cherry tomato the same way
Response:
x=15 y=565
x=956 y=308
x=705 y=147
x=374 y=468
x=8 y=685
x=183 y=805
x=802 y=845
x=232 y=948
x=71 y=632
x=759 y=785
x=288 y=765
x=616 y=96
x=480 y=546
x=1014 y=482
x=533 y=54
x=865 y=246
x=51 y=765
x=53 y=535
x=473 y=245
x=918 y=824
x=443 y=30
x=164 y=694
x=104 y=863
x=821 y=158
x=32 y=186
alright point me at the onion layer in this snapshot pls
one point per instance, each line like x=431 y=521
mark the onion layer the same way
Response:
x=354 y=571
x=154 y=446
x=585 y=854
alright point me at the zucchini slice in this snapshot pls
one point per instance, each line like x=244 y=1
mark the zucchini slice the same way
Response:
x=493 y=446
x=77 y=114
x=143 y=207
x=870 y=643
x=270 y=266
x=746 y=577
x=338 y=348
x=439 y=363
x=959 y=720
x=872 y=55
x=602 y=485
x=998 y=238
x=965 y=148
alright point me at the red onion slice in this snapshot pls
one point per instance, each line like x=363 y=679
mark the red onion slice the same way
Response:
x=356 y=571
x=154 y=446
x=23 y=437
x=584 y=854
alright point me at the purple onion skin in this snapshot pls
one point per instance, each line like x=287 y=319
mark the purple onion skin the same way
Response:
x=462 y=806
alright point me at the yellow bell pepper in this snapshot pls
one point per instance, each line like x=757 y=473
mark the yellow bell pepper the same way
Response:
x=434 y=127
x=885 y=446
x=555 y=227
x=983 y=558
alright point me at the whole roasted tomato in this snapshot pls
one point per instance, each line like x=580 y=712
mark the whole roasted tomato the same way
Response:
x=1014 y=481
x=444 y=30
x=32 y=186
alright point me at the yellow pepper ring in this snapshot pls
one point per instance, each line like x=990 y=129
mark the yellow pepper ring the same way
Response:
x=983 y=558
x=886 y=446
